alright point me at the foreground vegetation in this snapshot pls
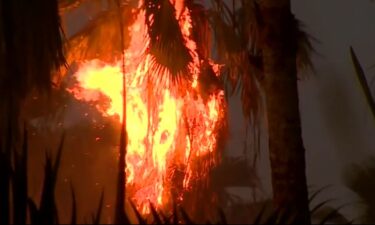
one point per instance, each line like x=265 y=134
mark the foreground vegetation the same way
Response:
x=27 y=210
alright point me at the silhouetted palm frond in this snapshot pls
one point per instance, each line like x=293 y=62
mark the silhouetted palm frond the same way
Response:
x=167 y=44
x=236 y=37
x=359 y=178
x=363 y=81
x=73 y=219
x=305 y=48
x=239 y=39
x=201 y=32
x=32 y=44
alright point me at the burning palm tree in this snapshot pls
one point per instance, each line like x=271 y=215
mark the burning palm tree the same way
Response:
x=175 y=107
x=174 y=51
x=175 y=110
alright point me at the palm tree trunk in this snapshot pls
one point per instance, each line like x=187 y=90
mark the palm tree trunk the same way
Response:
x=287 y=153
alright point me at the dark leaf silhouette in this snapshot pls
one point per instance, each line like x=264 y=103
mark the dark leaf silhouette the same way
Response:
x=20 y=182
x=167 y=44
x=363 y=81
x=73 y=219
x=96 y=217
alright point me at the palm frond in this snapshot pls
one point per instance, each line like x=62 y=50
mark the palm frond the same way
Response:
x=101 y=37
x=33 y=45
x=201 y=31
x=333 y=215
x=363 y=81
x=359 y=179
x=236 y=36
x=167 y=44
x=67 y=5
x=305 y=48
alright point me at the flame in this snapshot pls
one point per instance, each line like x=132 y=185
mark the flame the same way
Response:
x=166 y=130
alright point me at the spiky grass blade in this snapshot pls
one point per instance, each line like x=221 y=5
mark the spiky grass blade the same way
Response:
x=363 y=81
x=157 y=217
x=186 y=218
x=259 y=216
x=272 y=218
x=286 y=216
x=223 y=219
x=4 y=189
x=332 y=214
x=48 y=204
x=97 y=216
x=20 y=182
x=33 y=211
x=316 y=193
x=5 y=172
x=320 y=205
x=174 y=214
x=140 y=218
x=73 y=219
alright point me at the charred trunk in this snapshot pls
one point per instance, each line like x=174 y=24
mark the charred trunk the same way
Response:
x=287 y=153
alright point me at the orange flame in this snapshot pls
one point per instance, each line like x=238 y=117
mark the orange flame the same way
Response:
x=165 y=130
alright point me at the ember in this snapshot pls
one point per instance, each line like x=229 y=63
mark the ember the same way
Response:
x=167 y=130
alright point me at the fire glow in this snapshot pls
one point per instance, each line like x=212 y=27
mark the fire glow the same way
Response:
x=167 y=131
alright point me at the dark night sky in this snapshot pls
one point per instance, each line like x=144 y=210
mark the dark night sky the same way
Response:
x=337 y=125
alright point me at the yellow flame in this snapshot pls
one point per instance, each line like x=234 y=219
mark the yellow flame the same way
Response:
x=164 y=128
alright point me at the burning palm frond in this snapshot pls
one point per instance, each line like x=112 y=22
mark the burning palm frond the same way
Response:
x=66 y=5
x=201 y=32
x=167 y=44
x=239 y=39
x=236 y=35
x=101 y=38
